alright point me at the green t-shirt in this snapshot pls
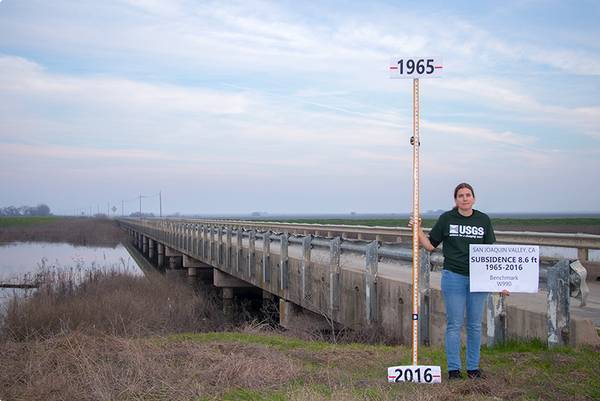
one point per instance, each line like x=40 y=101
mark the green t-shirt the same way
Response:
x=457 y=232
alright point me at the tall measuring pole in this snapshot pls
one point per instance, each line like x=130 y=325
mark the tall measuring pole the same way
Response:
x=415 y=68
x=160 y=202
x=122 y=208
x=416 y=227
x=140 y=206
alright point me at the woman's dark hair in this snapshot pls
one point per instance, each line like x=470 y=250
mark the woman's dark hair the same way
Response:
x=461 y=186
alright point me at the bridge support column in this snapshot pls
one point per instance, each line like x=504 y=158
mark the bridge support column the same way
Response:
x=228 y=284
x=145 y=245
x=161 y=255
x=197 y=271
x=228 y=302
x=175 y=269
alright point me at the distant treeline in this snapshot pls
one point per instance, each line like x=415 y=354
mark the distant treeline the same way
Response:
x=39 y=210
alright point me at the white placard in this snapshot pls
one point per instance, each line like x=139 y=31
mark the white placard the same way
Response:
x=416 y=67
x=494 y=268
x=415 y=373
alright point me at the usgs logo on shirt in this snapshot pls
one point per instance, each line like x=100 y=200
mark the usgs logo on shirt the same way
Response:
x=457 y=230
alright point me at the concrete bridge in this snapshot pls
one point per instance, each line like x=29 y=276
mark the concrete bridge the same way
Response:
x=326 y=276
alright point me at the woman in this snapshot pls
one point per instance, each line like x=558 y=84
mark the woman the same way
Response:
x=456 y=229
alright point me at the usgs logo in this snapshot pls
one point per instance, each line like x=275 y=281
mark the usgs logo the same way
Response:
x=456 y=229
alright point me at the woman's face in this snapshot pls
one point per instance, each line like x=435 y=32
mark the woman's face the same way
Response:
x=464 y=199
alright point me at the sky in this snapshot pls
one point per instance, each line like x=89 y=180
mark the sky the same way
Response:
x=288 y=107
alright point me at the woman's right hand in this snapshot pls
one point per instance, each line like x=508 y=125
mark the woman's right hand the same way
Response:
x=411 y=221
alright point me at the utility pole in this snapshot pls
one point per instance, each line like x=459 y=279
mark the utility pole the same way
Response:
x=140 y=206
x=160 y=202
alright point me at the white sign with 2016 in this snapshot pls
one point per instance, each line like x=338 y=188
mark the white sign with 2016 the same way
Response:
x=414 y=373
x=416 y=67
x=493 y=268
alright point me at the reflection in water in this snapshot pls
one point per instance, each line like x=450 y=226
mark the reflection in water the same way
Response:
x=21 y=261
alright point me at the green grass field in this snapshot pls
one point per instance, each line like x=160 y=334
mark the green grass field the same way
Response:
x=10 y=221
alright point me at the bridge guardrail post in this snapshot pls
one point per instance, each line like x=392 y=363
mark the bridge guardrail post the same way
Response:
x=558 y=304
x=176 y=235
x=173 y=235
x=180 y=236
x=334 y=276
x=266 y=265
x=205 y=242
x=284 y=263
x=305 y=268
x=228 y=249
x=372 y=259
x=219 y=245
x=197 y=240
x=252 y=254
x=238 y=250
x=183 y=236
x=496 y=319
x=424 y=293
x=211 y=244
x=186 y=237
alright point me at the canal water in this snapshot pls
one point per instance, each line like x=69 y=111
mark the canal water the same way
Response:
x=20 y=261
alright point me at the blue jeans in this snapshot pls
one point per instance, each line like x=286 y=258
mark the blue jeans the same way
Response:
x=457 y=297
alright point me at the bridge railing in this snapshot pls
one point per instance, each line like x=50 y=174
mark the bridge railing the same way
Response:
x=581 y=242
x=199 y=236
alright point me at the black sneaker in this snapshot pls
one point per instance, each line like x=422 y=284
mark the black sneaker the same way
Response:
x=474 y=374
x=454 y=374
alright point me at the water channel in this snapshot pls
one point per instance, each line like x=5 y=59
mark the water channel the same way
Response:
x=20 y=261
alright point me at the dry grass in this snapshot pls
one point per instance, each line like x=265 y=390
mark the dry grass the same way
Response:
x=108 y=302
x=72 y=230
x=82 y=367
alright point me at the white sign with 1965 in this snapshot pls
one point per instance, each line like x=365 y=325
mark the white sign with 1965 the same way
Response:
x=415 y=373
x=493 y=268
x=416 y=67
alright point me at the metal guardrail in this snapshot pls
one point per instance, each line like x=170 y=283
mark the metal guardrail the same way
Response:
x=582 y=242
